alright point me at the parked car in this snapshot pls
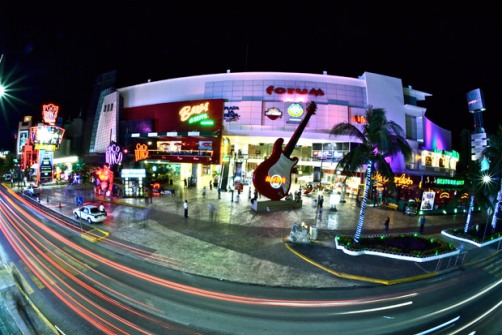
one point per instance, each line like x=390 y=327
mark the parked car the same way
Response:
x=411 y=209
x=90 y=213
x=32 y=190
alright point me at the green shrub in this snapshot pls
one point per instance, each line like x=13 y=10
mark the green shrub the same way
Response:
x=414 y=245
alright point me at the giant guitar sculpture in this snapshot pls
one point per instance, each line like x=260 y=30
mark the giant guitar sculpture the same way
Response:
x=272 y=177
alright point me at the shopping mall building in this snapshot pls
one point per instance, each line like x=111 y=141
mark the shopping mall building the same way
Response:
x=221 y=126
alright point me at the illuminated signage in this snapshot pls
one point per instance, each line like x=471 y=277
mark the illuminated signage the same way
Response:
x=291 y=90
x=50 y=113
x=359 y=119
x=403 y=180
x=188 y=111
x=427 y=201
x=273 y=113
x=445 y=181
x=295 y=110
x=46 y=164
x=113 y=154
x=133 y=173
x=46 y=137
x=452 y=153
x=275 y=181
x=475 y=101
x=141 y=152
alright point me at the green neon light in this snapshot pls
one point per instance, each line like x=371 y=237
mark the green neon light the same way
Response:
x=209 y=122
x=198 y=118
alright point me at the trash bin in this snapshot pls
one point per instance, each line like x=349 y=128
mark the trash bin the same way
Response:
x=314 y=202
x=313 y=233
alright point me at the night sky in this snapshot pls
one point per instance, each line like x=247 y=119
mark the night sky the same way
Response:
x=54 y=50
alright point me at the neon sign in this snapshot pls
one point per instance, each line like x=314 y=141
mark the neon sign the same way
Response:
x=113 y=154
x=444 y=195
x=141 y=152
x=359 y=119
x=403 y=180
x=187 y=111
x=50 y=113
x=198 y=118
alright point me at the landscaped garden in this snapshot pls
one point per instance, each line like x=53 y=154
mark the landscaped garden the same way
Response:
x=416 y=246
x=406 y=245
x=480 y=234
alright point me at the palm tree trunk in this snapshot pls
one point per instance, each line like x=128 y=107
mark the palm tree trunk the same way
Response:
x=360 y=223
x=496 y=209
x=469 y=212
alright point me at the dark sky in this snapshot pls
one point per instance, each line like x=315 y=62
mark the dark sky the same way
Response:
x=53 y=50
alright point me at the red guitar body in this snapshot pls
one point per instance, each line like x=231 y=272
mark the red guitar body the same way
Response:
x=272 y=177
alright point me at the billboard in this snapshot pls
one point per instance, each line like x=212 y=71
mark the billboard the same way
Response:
x=46 y=137
x=428 y=201
x=22 y=137
x=475 y=101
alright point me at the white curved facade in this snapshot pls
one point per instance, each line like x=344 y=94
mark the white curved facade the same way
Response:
x=252 y=94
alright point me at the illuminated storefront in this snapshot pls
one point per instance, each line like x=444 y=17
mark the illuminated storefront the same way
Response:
x=184 y=121
x=43 y=140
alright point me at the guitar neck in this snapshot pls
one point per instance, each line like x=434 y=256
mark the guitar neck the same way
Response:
x=288 y=150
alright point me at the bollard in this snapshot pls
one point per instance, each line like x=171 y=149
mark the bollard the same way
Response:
x=38 y=199
x=47 y=198
x=60 y=204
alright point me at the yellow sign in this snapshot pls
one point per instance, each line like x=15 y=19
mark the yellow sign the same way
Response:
x=141 y=152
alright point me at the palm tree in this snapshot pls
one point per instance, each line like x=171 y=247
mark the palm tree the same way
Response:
x=379 y=139
x=475 y=187
x=494 y=154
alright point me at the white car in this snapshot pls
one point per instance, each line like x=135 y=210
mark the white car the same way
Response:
x=90 y=213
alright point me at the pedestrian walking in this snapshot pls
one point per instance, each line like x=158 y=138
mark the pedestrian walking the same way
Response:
x=386 y=224
x=422 y=224
x=185 y=207
x=321 y=201
x=204 y=191
x=211 y=209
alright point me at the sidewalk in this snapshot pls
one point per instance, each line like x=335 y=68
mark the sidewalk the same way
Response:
x=233 y=243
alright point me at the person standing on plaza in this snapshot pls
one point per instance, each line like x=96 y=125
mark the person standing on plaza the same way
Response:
x=422 y=224
x=185 y=207
x=386 y=224
x=211 y=209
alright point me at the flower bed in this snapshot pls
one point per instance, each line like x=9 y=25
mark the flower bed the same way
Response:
x=404 y=245
x=478 y=235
